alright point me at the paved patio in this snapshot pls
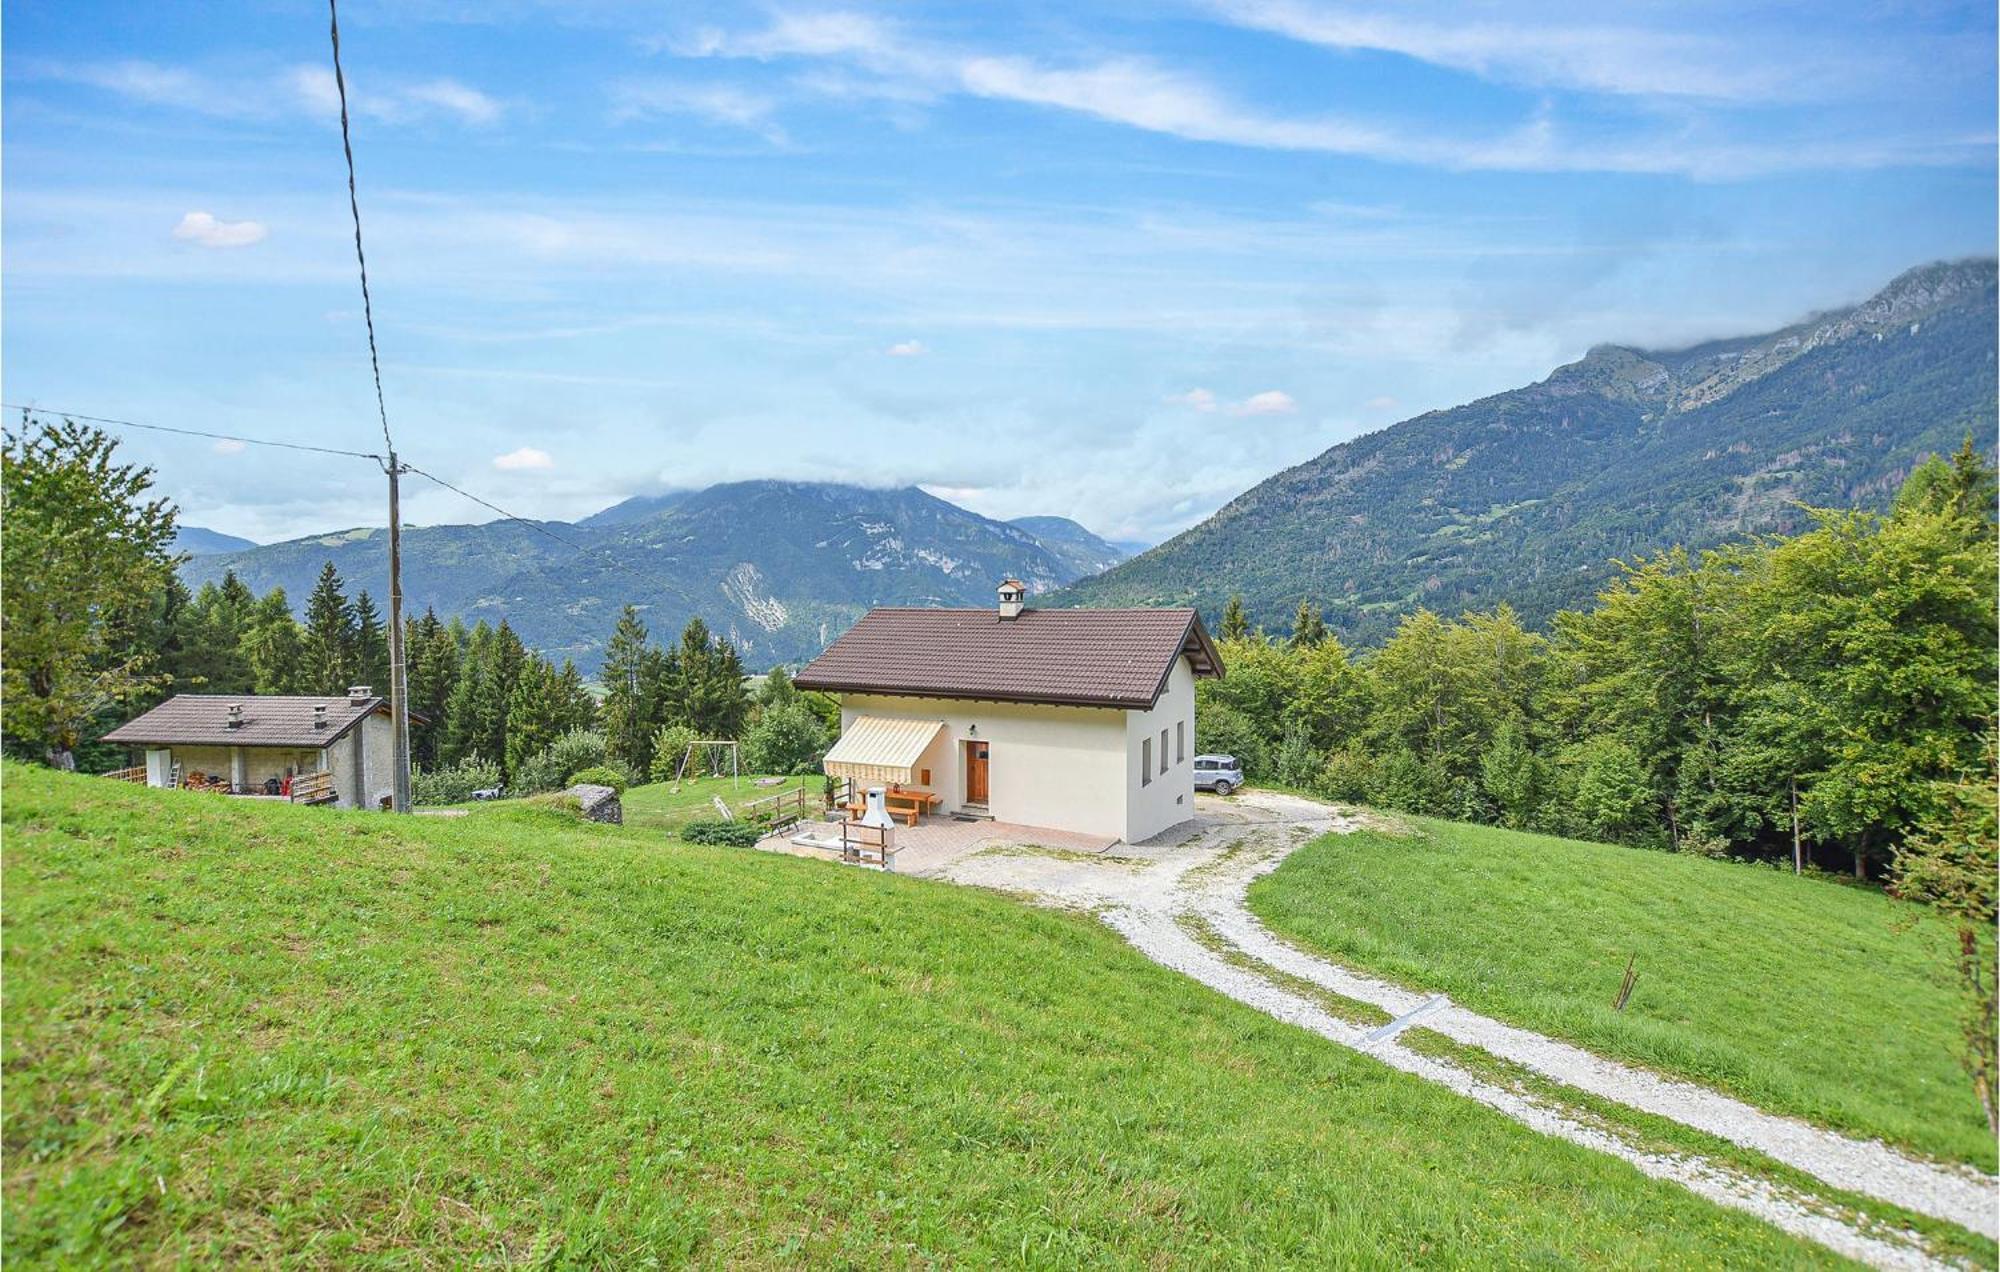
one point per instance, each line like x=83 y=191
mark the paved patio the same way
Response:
x=931 y=847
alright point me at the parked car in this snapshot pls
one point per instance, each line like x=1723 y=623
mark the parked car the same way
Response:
x=1218 y=773
x=491 y=792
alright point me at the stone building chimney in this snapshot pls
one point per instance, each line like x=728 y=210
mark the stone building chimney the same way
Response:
x=1013 y=598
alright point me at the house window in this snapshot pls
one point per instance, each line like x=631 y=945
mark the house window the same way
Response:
x=1145 y=761
x=923 y=777
x=1180 y=742
x=1163 y=752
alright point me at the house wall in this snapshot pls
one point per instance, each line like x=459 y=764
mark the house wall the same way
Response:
x=246 y=767
x=362 y=763
x=1060 y=767
x=1168 y=798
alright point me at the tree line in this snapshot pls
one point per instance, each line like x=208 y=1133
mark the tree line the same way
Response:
x=98 y=626
x=1803 y=697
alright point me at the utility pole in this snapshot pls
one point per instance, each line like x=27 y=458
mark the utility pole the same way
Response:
x=399 y=688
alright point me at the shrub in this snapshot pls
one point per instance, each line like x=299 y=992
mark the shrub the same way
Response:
x=549 y=769
x=599 y=775
x=453 y=785
x=1347 y=776
x=1297 y=762
x=670 y=743
x=787 y=738
x=731 y=833
x=1223 y=730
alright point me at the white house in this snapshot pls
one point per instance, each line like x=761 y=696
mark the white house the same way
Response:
x=1078 y=720
x=246 y=744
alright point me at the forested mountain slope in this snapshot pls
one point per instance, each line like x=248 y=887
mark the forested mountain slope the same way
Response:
x=780 y=568
x=1528 y=496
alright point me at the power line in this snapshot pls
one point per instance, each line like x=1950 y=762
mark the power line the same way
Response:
x=189 y=432
x=605 y=554
x=354 y=206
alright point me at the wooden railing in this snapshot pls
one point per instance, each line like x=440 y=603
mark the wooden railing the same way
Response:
x=313 y=788
x=868 y=845
x=781 y=811
x=136 y=775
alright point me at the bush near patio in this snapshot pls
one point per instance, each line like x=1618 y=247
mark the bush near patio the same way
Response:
x=264 y=1034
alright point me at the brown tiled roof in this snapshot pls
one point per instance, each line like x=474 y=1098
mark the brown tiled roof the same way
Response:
x=1077 y=657
x=202 y=719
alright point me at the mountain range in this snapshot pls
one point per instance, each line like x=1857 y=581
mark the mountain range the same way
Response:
x=779 y=567
x=1530 y=495
x=200 y=541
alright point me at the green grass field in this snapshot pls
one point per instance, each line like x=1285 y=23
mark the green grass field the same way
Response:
x=658 y=806
x=1802 y=996
x=253 y=1033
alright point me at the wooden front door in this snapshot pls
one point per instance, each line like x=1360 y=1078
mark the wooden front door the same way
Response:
x=975 y=772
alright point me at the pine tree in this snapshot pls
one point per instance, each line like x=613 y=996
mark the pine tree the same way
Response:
x=535 y=713
x=578 y=708
x=432 y=656
x=1235 y=624
x=626 y=710
x=371 y=646
x=464 y=733
x=275 y=647
x=329 y=635
x=1308 y=627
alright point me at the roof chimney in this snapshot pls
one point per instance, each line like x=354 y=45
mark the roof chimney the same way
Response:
x=359 y=693
x=1012 y=594
x=319 y=715
x=235 y=715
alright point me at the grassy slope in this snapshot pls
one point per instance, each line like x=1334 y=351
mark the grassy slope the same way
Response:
x=255 y=1032
x=658 y=806
x=1803 y=996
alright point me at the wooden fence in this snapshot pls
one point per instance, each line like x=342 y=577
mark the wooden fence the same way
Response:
x=136 y=775
x=783 y=810
x=313 y=788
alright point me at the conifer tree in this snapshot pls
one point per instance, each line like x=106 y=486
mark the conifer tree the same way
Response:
x=275 y=647
x=329 y=635
x=371 y=646
x=535 y=712
x=628 y=704
x=1235 y=624
x=1308 y=626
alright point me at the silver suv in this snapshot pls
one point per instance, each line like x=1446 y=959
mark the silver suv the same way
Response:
x=1218 y=773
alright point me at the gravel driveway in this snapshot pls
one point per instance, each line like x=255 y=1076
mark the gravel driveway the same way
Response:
x=1180 y=900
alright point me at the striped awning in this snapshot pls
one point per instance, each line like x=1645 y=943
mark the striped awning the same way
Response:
x=879 y=750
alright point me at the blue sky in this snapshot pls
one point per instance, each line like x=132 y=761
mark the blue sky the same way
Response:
x=1115 y=263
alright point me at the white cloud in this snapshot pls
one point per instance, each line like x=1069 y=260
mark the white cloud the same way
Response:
x=469 y=105
x=1269 y=402
x=204 y=229
x=1145 y=95
x=227 y=446
x=1381 y=403
x=1624 y=59
x=262 y=95
x=907 y=349
x=713 y=103
x=524 y=459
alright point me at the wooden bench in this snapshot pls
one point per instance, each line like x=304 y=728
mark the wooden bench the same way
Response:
x=911 y=804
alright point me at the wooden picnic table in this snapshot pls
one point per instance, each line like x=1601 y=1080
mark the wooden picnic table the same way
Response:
x=907 y=804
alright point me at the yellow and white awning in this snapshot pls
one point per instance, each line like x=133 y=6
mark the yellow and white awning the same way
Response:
x=880 y=751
